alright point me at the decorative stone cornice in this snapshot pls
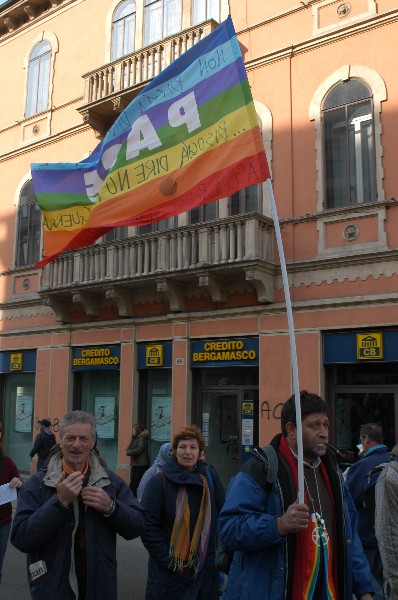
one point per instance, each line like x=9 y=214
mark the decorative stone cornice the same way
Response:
x=215 y=285
x=174 y=292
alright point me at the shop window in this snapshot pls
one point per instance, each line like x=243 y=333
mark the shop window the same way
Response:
x=349 y=150
x=203 y=10
x=162 y=18
x=98 y=394
x=156 y=391
x=123 y=29
x=28 y=228
x=38 y=79
x=19 y=431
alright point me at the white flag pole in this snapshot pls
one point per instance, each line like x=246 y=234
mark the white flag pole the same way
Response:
x=293 y=352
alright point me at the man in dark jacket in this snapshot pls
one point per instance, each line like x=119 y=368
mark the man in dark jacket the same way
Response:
x=287 y=549
x=68 y=516
x=139 y=456
x=43 y=443
x=361 y=483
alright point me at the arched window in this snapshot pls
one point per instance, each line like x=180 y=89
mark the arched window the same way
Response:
x=162 y=18
x=349 y=145
x=38 y=79
x=123 y=28
x=205 y=9
x=28 y=227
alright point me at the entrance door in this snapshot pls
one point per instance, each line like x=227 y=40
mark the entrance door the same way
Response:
x=355 y=407
x=222 y=427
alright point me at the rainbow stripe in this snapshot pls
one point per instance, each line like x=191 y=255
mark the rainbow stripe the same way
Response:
x=189 y=138
x=319 y=557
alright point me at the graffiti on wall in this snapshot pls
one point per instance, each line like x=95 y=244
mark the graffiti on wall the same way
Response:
x=267 y=412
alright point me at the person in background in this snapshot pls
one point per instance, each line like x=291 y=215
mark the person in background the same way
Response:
x=289 y=549
x=8 y=476
x=386 y=513
x=161 y=459
x=361 y=484
x=139 y=456
x=43 y=443
x=181 y=505
x=67 y=518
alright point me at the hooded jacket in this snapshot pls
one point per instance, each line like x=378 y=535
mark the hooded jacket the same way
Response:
x=161 y=459
x=44 y=529
x=263 y=561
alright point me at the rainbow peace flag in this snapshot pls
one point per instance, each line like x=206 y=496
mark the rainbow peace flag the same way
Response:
x=190 y=137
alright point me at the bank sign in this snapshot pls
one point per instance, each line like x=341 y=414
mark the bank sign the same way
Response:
x=242 y=352
x=95 y=358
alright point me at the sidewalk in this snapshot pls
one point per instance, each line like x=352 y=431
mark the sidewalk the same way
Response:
x=132 y=572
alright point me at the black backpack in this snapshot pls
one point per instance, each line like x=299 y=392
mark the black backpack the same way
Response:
x=263 y=468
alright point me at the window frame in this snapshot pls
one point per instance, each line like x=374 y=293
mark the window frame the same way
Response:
x=379 y=92
x=128 y=22
x=161 y=5
x=38 y=79
x=344 y=142
x=29 y=234
x=207 y=11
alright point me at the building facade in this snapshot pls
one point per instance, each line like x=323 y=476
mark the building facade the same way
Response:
x=185 y=320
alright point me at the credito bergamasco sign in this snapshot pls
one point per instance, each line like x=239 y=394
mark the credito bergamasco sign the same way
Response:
x=221 y=353
x=93 y=358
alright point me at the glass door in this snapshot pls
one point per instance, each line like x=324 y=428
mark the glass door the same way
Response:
x=354 y=408
x=220 y=426
x=230 y=427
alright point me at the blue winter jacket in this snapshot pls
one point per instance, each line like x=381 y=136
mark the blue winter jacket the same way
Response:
x=263 y=559
x=358 y=481
x=44 y=529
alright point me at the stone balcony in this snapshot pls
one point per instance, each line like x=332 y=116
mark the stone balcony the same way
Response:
x=111 y=87
x=208 y=258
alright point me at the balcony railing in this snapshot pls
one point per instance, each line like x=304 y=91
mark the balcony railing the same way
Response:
x=116 y=83
x=226 y=248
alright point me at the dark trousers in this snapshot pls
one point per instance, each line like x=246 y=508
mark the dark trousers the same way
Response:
x=136 y=474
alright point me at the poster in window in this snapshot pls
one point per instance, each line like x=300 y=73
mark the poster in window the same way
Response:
x=104 y=407
x=23 y=413
x=161 y=419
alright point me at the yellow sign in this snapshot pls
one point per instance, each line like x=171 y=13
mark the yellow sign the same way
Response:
x=16 y=361
x=247 y=408
x=369 y=346
x=154 y=355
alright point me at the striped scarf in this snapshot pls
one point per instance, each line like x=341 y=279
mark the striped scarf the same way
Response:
x=185 y=552
x=313 y=555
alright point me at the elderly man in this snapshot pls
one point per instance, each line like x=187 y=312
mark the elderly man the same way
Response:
x=68 y=516
x=284 y=548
